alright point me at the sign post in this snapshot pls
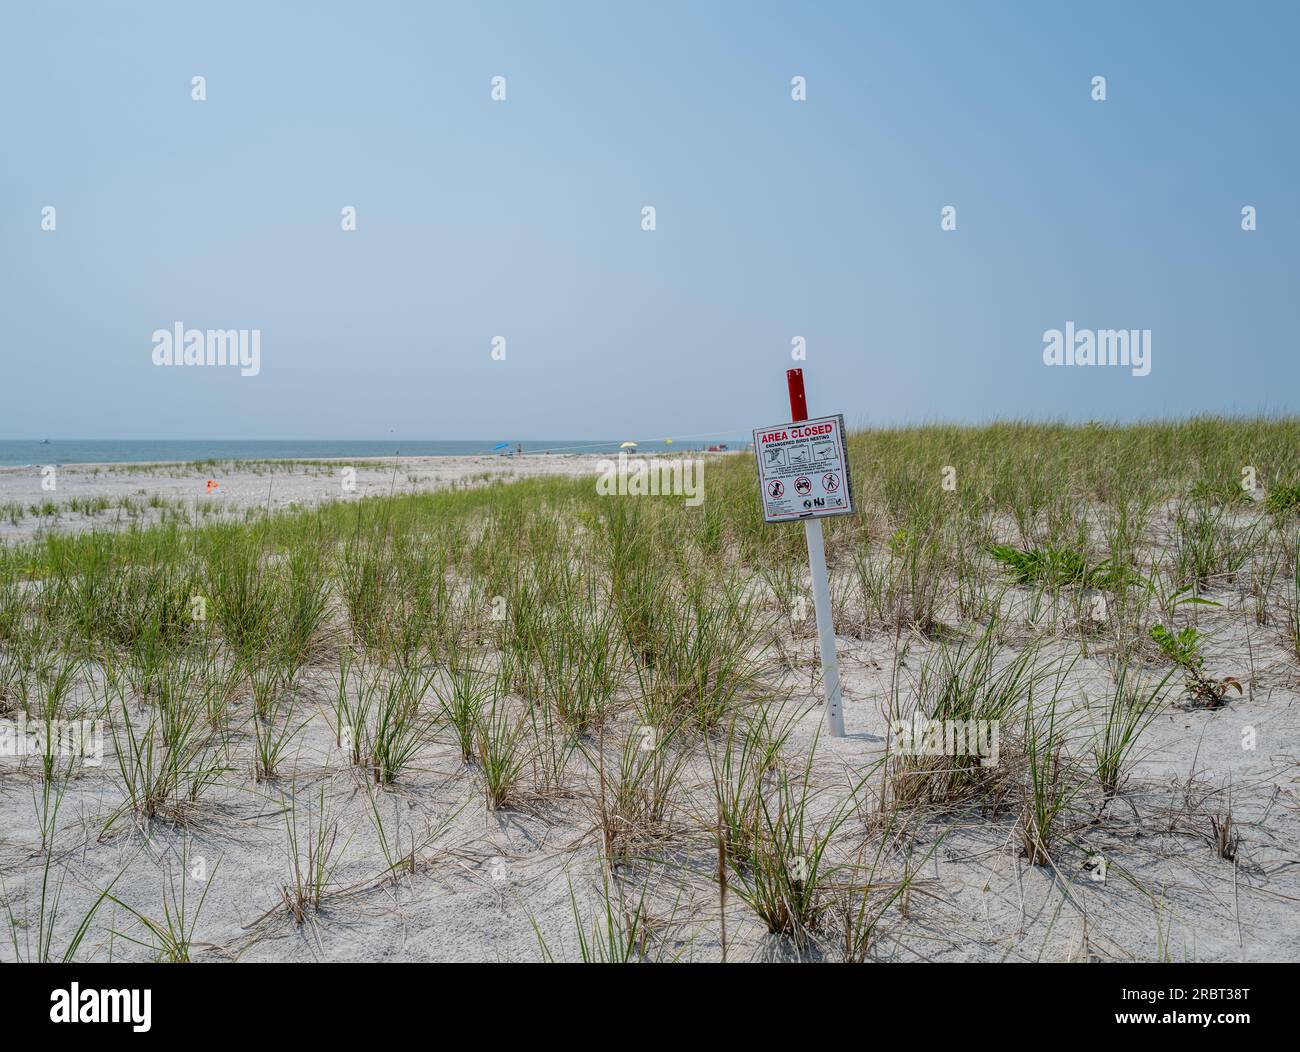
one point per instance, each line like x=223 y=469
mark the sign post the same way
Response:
x=803 y=473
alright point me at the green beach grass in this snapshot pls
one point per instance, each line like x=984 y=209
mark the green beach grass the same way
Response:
x=650 y=659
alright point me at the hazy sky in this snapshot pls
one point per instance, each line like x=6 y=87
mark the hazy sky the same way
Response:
x=775 y=218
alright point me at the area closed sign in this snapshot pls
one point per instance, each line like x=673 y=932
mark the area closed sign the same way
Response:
x=803 y=472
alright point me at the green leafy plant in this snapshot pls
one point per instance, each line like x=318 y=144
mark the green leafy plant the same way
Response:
x=1058 y=567
x=1183 y=648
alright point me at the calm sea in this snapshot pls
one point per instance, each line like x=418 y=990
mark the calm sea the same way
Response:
x=17 y=453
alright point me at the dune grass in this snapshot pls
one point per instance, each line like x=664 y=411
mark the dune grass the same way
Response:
x=524 y=628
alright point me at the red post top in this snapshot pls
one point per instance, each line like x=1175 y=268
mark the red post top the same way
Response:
x=798 y=402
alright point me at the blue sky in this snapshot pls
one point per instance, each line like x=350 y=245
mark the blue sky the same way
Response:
x=522 y=218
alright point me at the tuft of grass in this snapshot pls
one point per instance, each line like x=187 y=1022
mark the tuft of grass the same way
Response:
x=467 y=691
x=864 y=896
x=274 y=731
x=786 y=882
x=313 y=857
x=401 y=727
x=1283 y=500
x=1129 y=713
x=355 y=693
x=172 y=936
x=499 y=741
x=1207 y=546
x=172 y=756
x=617 y=934
x=748 y=753
x=972 y=683
x=710 y=657
x=1227 y=838
x=46 y=920
x=1049 y=787
x=635 y=799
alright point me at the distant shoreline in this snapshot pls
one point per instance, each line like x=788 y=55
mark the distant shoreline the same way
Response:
x=104 y=453
x=120 y=494
x=370 y=459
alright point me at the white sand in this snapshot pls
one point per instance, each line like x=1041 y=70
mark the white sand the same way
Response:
x=184 y=487
x=481 y=883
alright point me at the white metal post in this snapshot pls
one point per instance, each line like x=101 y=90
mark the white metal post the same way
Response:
x=821 y=589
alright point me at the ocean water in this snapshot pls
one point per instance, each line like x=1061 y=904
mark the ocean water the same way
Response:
x=20 y=453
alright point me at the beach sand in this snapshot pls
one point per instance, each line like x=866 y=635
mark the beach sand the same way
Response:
x=484 y=883
x=142 y=494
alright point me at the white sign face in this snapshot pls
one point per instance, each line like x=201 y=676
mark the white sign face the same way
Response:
x=803 y=472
